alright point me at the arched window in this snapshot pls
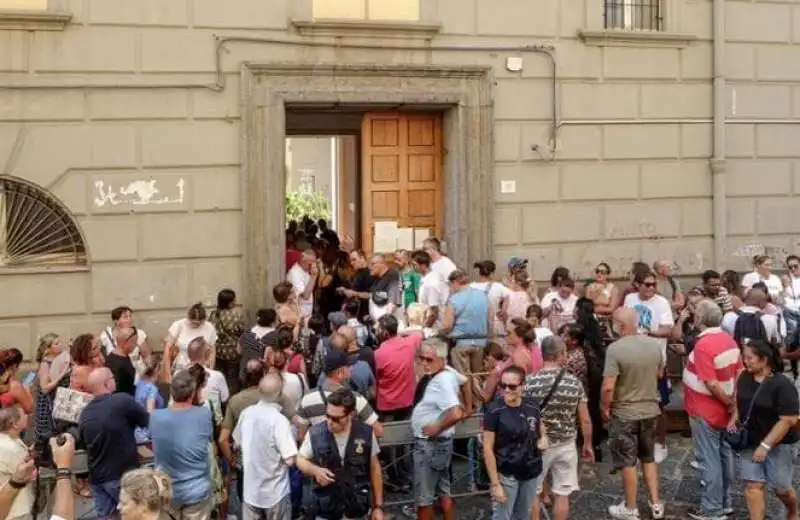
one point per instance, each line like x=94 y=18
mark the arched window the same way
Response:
x=36 y=230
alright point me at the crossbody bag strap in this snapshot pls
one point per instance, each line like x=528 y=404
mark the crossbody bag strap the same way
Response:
x=546 y=399
x=302 y=384
x=753 y=401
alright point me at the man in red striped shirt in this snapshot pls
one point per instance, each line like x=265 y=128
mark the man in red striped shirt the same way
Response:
x=708 y=384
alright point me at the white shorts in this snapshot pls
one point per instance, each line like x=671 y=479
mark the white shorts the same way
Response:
x=561 y=462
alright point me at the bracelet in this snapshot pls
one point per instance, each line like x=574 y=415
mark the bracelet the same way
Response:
x=63 y=473
x=766 y=446
x=17 y=485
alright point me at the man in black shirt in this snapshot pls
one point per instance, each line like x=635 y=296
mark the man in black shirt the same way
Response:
x=106 y=428
x=119 y=360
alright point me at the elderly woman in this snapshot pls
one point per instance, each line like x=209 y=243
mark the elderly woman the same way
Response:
x=767 y=407
x=13 y=451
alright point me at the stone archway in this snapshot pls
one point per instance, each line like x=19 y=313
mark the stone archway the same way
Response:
x=463 y=93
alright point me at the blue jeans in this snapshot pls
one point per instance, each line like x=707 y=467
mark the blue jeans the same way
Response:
x=519 y=499
x=106 y=498
x=718 y=466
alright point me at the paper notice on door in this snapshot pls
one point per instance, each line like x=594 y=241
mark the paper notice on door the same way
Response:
x=420 y=234
x=405 y=238
x=385 y=238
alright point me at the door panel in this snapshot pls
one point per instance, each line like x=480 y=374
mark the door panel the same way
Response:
x=402 y=172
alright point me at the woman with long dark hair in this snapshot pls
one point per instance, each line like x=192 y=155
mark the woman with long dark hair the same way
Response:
x=595 y=352
x=229 y=324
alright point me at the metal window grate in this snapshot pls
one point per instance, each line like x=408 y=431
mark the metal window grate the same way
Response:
x=633 y=15
x=35 y=228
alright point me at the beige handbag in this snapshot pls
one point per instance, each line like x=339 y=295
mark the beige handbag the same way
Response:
x=69 y=404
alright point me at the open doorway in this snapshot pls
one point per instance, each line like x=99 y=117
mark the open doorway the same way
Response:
x=376 y=176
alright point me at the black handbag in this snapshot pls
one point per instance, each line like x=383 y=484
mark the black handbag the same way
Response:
x=737 y=439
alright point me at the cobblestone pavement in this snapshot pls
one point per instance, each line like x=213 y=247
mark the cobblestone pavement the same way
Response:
x=680 y=489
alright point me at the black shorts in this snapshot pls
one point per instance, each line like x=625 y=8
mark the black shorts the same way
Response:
x=632 y=441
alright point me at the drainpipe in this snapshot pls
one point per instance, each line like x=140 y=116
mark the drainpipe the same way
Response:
x=717 y=163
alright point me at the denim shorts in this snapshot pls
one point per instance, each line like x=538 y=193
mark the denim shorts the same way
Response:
x=432 y=469
x=776 y=471
x=106 y=498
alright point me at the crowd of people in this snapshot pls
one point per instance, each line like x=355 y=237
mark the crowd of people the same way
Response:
x=292 y=409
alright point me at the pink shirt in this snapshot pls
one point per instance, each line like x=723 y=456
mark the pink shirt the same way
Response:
x=394 y=362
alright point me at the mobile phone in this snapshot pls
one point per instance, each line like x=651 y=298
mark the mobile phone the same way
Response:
x=29 y=379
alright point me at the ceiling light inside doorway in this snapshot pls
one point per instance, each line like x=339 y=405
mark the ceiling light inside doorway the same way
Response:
x=514 y=63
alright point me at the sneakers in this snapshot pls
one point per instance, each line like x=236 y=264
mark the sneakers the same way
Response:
x=660 y=453
x=695 y=464
x=621 y=512
x=698 y=514
x=728 y=511
x=656 y=511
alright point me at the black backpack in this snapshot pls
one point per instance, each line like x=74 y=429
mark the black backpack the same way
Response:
x=749 y=326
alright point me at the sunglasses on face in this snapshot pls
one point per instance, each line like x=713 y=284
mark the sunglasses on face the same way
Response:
x=600 y=271
x=336 y=419
x=507 y=386
x=794 y=266
x=649 y=284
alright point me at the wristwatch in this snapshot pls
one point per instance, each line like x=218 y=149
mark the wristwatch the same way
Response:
x=766 y=446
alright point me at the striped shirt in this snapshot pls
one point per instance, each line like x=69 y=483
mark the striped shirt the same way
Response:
x=312 y=409
x=715 y=357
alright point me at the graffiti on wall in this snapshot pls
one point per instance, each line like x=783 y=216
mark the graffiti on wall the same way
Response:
x=777 y=253
x=137 y=193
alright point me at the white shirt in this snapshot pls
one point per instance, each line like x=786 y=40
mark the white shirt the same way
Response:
x=267 y=443
x=541 y=333
x=497 y=293
x=653 y=314
x=300 y=279
x=295 y=387
x=444 y=266
x=791 y=295
x=433 y=293
x=567 y=304
x=260 y=331
x=12 y=453
x=216 y=388
x=774 y=330
x=773 y=283
x=107 y=340
x=182 y=333
x=441 y=394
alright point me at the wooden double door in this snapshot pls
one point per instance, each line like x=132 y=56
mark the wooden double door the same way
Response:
x=401 y=180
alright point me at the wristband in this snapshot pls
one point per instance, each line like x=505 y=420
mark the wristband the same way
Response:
x=17 y=485
x=63 y=473
x=766 y=446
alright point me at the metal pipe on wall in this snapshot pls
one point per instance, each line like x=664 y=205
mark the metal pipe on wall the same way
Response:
x=717 y=164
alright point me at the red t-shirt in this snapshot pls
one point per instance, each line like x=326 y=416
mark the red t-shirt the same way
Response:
x=292 y=257
x=715 y=357
x=394 y=362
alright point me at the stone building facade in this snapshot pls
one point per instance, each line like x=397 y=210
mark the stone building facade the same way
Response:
x=575 y=131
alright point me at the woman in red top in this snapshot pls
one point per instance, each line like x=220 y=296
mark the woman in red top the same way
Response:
x=17 y=394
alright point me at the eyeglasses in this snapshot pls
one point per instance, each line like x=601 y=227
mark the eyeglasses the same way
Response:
x=335 y=419
x=506 y=386
x=427 y=359
x=649 y=284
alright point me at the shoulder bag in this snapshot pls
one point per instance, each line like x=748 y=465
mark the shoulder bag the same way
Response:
x=69 y=404
x=544 y=442
x=738 y=439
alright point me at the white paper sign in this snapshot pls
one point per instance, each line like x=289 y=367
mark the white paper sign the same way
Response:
x=405 y=238
x=385 y=238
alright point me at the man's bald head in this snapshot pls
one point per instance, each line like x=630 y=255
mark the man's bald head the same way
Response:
x=350 y=335
x=101 y=381
x=627 y=320
x=757 y=298
x=196 y=350
x=270 y=387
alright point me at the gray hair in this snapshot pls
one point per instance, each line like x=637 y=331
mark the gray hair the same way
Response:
x=270 y=388
x=195 y=350
x=151 y=488
x=183 y=387
x=707 y=314
x=552 y=347
x=8 y=417
x=438 y=346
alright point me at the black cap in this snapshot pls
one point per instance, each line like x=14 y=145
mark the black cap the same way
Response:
x=335 y=360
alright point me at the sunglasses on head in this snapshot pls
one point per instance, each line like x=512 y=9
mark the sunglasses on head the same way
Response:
x=507 y=386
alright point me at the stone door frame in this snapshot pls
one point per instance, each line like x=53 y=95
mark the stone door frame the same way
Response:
x=463 y=94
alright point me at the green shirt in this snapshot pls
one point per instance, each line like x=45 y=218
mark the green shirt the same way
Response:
x=411 y=282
